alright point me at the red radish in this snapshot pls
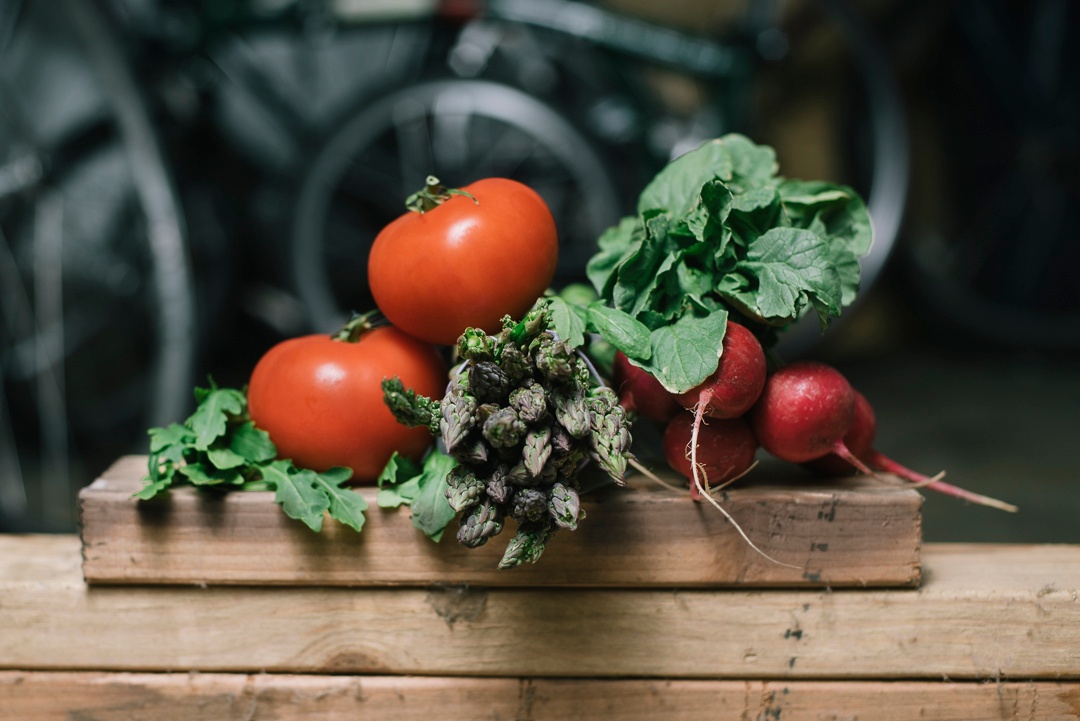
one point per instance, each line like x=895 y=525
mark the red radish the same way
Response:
x=860 y=441
x=640 y=391
x=725 y=448
x=737 y=382
x=804 y=412
x=721 y=450
x=729 y=392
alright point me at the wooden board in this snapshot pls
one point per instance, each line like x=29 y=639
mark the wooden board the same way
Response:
x=861 y=534
x=982 y=613
x=229 y=697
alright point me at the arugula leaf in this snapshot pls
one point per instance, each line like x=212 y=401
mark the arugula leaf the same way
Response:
x=252 y=444
x=171 y=436
x=399 y=482
x=296 y=492
x=220 y=447
x=224 y=458
x=211 y=417
x=156 y=482
x=421 y=486
x=346 y=505
x=203 y=474
x=431 y=512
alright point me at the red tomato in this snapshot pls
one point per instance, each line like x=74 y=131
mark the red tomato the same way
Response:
x=465 y=263
x=321 y=399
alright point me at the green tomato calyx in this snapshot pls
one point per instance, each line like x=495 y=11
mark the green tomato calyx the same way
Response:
x=433 y=195
x=356 y=326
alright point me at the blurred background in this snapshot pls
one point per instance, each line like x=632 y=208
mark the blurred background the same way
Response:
x=184 y=184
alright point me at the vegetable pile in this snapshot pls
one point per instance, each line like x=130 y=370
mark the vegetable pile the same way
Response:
x=690 y=296
x=218 y=448
x=523 y=416
x=722 y=254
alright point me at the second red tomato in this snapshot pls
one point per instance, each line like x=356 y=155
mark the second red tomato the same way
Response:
x=467 y=262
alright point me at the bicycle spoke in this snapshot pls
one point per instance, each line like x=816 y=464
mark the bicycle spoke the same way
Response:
x=451 y=121
x=49 y=311
x=13 y=500
x=414 y=144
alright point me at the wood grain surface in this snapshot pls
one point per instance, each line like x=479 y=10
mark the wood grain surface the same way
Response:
x=859 y=534
x=983 y=612
x=238 y=697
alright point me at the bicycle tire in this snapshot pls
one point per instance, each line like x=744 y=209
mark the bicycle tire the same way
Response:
x=712 y=59
x=513 y=109
x=115 y=134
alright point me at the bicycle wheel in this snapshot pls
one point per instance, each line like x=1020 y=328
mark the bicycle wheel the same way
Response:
x=850 y=125
x=805 y=76
x=97 y=304
x=459 y=130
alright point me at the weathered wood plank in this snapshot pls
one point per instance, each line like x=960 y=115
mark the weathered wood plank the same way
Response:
x=856 y=535
x=229 y=697
x=984 y=612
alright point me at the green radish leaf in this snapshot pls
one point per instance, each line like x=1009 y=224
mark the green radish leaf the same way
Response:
x=719 y=229
x=675 y=188
x=614 y=243
x=706 y=221
x=838 y=214
x=753 y=165
x=210 y=420
x=566 y=322
x=621 y=330
x=637 y=273
x=792 y=266
x=687 y=351
x=296 y=492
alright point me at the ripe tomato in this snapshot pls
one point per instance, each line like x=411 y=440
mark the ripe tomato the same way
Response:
x=321 y=399
x=466 y=262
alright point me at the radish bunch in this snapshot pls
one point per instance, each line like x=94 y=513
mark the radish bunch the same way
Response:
x=804 y=412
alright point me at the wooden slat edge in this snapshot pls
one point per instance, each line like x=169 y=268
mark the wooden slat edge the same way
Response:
x=832 y=536
x=227 y=697
x=979 y=615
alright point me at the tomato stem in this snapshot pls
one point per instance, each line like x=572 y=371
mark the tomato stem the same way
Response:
x=433 y=195
x=356 y=326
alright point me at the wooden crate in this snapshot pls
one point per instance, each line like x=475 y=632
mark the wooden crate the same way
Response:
x=992 y=633
x=855 y=534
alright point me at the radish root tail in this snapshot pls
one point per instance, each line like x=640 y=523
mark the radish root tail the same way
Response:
x=700 y=488
x=888 y=465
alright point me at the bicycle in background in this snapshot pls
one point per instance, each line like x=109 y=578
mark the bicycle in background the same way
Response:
x=183 y=183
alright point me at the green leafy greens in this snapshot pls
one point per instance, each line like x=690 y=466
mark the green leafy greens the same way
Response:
x=422 y=486
x=719 y=233
x=219 y=447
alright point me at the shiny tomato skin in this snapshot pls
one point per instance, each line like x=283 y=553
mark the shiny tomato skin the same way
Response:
x=465 y=263
x=321 y=399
